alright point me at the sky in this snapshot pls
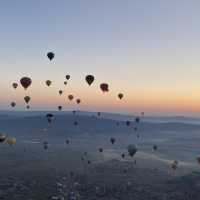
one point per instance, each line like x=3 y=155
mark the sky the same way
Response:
x=146 y=49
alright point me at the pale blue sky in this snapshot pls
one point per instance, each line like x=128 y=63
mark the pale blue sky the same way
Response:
x=146 y=48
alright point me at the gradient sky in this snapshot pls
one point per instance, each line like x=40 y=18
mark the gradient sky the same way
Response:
x=148 y=49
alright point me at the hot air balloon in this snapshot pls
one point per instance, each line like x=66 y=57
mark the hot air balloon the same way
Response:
x=27 y=107
x=174 y=165
x=155 y=147
x=99 y=114
x=11 y=141
x=120 y=95
x=89 y=162
x=60 y=92
x=13 y=104
x=198 y=159
x=50 y=55
x=67 y=77
x=74 y=112
x=128 y=123
x=137 y=120
x=112 y=140
x=65 y=82
x=75 y=123
x=132 y=150
x=78 y=101
x=49 y=117
x=70 y=97
x=67 y=141
x=15 y=85
x=59 y=108
x=123 y=155
x=27 y=99
x=45 y=145
x=2 y=137
x=25 y=82
x=48 y=83
x=89 y=79
x=100 y=150
x=104 y=87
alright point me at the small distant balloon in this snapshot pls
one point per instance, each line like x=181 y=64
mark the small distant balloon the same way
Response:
x=112 y=140
x=49 y=117
x=60 y=92
x=65 y=82
x=104 y=87
x=120 y=95
x=50 y=55
x=27 y=99
x=48 y=83
x=70 y=97
x=15 y=85
x=78 y=101
x=67 y=77
x=59 y=108
x=13 y=104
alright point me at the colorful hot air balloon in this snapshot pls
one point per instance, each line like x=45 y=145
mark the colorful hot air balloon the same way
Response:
x=50 y=55
x=25 y=82
x=120 y=95
x=27 y=99
x=67 y=77
x=48 y=83
x=89 y=79
x=70 y=97
x=104 y=87
x=15 y=85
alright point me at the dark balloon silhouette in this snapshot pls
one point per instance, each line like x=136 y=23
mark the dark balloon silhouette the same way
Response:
x=48 y=83
x=70 y=97
x=59 y=108
x=67 y=141
x=78 y=101
x=50 y=55
x=60 y=92
x=123 y=155
x=112 y=140
x=89 y=79
x=28 y=107
x=132 y=150
x=13 y=104
x=120 y=95
x=100 y=150
x=128 y=123
x=15 y=85
x=104 y=87
x=137 y=120
x=49 y=117
x=25 y=82
x=67 y=77
x=155 y=147
x=65 y=82
x=27 y=99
